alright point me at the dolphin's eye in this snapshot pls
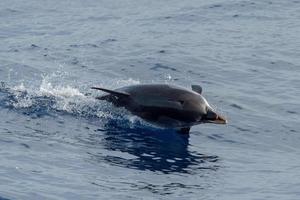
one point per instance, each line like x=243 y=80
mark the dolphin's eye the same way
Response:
x=181 y=102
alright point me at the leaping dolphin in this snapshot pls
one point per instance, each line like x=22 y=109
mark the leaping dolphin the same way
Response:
x=165 y=105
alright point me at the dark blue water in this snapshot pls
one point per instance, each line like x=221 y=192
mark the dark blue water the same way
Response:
x=58 y=142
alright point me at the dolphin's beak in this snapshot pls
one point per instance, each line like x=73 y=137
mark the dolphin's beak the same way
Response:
x=213 y=117
x=219 y=120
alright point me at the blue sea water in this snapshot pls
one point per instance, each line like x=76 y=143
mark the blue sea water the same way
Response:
x=58 y=142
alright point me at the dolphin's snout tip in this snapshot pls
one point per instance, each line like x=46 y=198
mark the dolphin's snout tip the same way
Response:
x=215 y=118
x=221 y=120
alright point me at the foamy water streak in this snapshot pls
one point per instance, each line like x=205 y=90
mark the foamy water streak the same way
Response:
x=49 y=98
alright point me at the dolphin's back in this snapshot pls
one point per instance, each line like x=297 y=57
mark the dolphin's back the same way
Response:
x=159 y=92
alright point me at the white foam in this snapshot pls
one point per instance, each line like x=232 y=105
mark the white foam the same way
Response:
x=71 y=100
x=48 y=89
x=24 y=102
x=20 y=88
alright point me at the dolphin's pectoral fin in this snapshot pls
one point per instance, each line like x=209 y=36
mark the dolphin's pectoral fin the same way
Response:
x=113 y=92
x=197 y=88
x=185 y=130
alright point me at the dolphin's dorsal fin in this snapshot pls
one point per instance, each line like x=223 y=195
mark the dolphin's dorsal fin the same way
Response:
x=113 y=92
x=197 y=88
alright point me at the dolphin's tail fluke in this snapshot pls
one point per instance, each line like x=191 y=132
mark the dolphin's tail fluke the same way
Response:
x=112 y=92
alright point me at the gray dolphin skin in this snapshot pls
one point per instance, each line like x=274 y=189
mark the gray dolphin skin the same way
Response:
x=164 y=105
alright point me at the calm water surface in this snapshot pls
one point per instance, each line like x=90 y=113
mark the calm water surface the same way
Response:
x=58 y=142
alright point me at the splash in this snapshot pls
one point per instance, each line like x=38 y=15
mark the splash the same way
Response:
x=49 y=98
x=20 y=88
x=48 y=89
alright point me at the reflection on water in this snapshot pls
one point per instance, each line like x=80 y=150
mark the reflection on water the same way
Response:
x=152 y=149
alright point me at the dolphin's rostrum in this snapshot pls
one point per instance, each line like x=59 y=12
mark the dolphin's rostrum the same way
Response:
x=164 y=105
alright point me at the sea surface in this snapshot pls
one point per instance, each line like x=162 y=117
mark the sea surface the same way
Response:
x=58 y=142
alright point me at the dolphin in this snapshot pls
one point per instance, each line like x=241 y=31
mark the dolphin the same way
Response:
x=164 y=105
